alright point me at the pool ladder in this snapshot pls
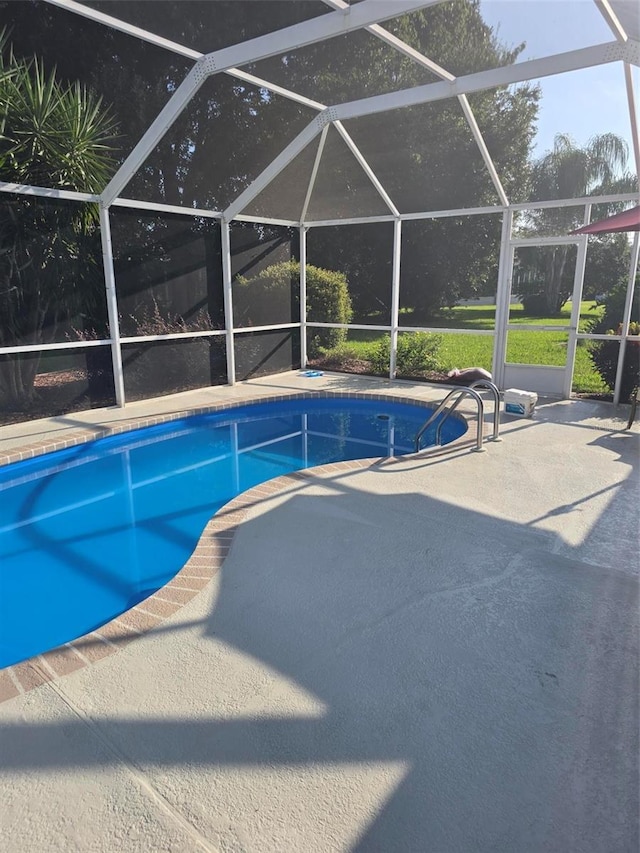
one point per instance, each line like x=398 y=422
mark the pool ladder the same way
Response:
x=459 y=394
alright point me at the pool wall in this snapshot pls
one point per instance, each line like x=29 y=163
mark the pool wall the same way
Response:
x=205 y=561
x=92 y=433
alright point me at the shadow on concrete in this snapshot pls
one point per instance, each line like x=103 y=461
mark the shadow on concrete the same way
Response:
x=498 y=675
x=591 y=414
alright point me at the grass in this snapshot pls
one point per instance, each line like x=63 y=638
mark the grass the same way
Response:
x=523 y=347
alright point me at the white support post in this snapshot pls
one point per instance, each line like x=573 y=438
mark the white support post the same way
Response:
x=303 y=296
x=305 y=441
x=395 y=296
x=545 y=241
x=159 y=207
x=235 y=447
x=260 y=83
x=356 y=220
x=576 y=298
x=633 y=269
x=503 y=294
x=228 y=301
x=47 y=192
x=578 y=281
x=112 y=305
x=21 y=189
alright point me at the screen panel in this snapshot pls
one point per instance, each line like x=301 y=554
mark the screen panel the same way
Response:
x=206 y=26
x=157 y=368
x=134 y=79
x=342 y=188
x=265 y=274
x=263 y=353
x=51 y=268
x=568 y=25
x=446 y=262
x=168 y=272
x=430 y=356
x=346 y=68
x=582 y=138
x=285 y=196
x=364 y=255
x=51 y=383
x=425 y=157
x=598 y=373
x=224 y=138
x=354 y=351
x=542 y=283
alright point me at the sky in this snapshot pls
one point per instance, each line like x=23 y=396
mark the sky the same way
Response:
x=581 y=103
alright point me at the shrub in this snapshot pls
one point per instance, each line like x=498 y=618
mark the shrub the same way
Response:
x=604 y=355
x=417 y=354
x=150 y=320
x=272 y=297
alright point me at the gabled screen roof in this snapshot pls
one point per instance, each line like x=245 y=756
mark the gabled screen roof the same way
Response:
x=223 y=105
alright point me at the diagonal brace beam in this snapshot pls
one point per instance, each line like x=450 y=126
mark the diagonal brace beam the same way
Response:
x=504 y=76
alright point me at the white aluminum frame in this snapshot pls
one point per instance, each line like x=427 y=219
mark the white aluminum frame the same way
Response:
x=112 y=305
x=571 y=328
x=395 y=296
x=303 y=296
x=262 y=47
x=344 y=19
x=576 y=299
x=227 y=293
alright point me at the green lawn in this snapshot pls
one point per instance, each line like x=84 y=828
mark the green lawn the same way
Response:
x=525 y=347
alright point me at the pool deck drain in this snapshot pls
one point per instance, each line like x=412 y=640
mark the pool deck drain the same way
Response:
x=427 y=653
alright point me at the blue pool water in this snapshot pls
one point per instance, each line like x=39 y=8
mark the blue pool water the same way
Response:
x=87 y=533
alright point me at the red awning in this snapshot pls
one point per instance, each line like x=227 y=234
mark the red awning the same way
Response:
x=629 y=220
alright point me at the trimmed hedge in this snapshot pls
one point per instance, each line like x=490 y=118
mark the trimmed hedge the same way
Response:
x=272 y=297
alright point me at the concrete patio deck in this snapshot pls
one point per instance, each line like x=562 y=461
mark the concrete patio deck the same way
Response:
x=424 y=655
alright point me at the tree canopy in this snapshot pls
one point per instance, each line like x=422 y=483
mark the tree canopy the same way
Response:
x=569 y=171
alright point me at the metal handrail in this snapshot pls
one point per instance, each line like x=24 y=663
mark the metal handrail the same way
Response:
x=460 y=392
x=489 y=386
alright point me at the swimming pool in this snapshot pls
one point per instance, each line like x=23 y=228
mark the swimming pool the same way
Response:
x=87 y=533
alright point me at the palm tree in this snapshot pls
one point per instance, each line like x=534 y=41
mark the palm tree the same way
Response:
x=568 y=171
x=54 y=135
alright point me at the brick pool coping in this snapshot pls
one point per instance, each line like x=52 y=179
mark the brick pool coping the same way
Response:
x=204 y=563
